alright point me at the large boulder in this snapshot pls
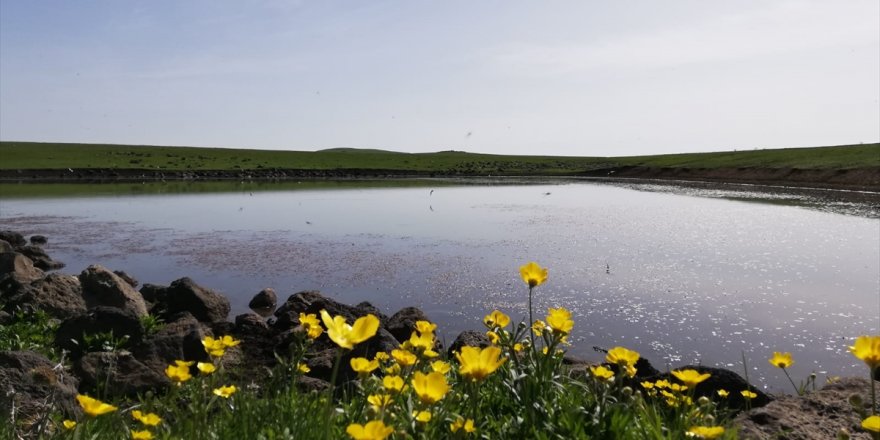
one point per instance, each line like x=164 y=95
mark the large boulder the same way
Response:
x=117 y=374
x=179 y=339
x=33 y=385
x=818 y=415
x=15 y=267
x=83 y=333
x=184 y=295
x=154 y=293
x=39 y=257
x=58 y=295
x=468 y=338
x=101 y=287
x=312 y=301
x=6 y=247
x=402 y=323
x=13 y=238
x=39 y=239
x=266 y=299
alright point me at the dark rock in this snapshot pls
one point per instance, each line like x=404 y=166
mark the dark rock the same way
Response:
x=154 y=293
x=58 y=295
x=204 y=304
x=179 y=339
x=117 y=374
x=13 y=238
x=17 y=267
x=321 y=361
x=721 y=379
x=5 y=247
x=402 y=323
x=71 y=334
x=40 y=258
x=817 y=415
x=310 y=384
x=250 y=322
x=127 y=278
x=265 y=299
x=468 y=338
x=102 y=287
x=39 y=239
x=311 y=301
x=29 y=381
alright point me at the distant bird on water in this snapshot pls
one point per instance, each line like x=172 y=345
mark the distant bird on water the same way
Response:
x=431 y=193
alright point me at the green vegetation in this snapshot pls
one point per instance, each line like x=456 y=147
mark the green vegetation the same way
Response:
x=31 y=155
x=30 y=330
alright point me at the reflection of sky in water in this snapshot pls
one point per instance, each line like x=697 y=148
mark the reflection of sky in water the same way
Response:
x=681 y=279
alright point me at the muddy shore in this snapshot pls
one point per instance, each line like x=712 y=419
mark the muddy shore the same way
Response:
x=863 y=179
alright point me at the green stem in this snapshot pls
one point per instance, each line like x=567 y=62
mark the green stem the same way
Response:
x=796 y=390
x=329 y=408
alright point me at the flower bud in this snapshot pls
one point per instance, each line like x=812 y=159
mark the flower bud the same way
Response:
x=703 y=401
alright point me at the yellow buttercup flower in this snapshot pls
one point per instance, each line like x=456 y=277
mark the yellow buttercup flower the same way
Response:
x=229 y=341
x=677 y=388
x=723 y=393
x=302 y=368
x=141 y=435
x=309 y=322
x=381 y=356
x=393 y=369
x=363 y=367
x=538 y=327
x=602 y=373
x=517 y=347
x=374 y=430
x=867 y=348
x=533 y=274
x=393 y=383
x=148 y=419
x=347 y=336
x=403 y=357
x=647 y=385
x=871 y=424
x=477 y=364
x=493 y=337
x=690 y=377
x=429 y=387
x=425 y=326
x=662 y=383
x=496 y=319
x=379 y=401
x=706 y=432
x=422 y=416
x=179 y=372
x=560 y=321
x=781 y=360
x=622 y=356
x=462 y=424
x=441 y=366
x=748 y=394
x=421 y=341
x=225 y=391
x=214 y=347
x=69 y=424
x=206 y=368
x=93 y=407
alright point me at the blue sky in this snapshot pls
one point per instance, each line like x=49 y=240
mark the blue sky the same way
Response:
x=509 y=77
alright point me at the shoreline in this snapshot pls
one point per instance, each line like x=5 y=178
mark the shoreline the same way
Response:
x=856 y=179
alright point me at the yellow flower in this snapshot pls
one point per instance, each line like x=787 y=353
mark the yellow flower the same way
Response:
x=425 y=327
x=179 y=372
x=477 y=363
x=225 y=391
x=533 y=274
x=403 y=357
x=723 y=393
x=347 y=336
x=311 y=325
x=441 y=366
x=622 y=356
x=493 y=337
x=678 y=388
x=871 y=424
x=690 y=377
x=229 y=341
x=363 y=367
x=141 y=435
x=748 y=394
x=429 y=387
x=867 y=348
x=393 y=383
x=781 y=360
x=206 y=367
x=538 y=327
x=214 y=347
x=560 y=321
x=602 y=373
x=381 y=356
x=69 y=424
x=496 y=319
x=460 y=423
x=379 y=401
x=302 y=368
x=93 y=407
x=517 y=347
x=393 y=369
x=422 y=416
x=422 y=342
x=647 y=385
x=706 y=432
x=148 y=419
x=374 y=430
x=662 y=383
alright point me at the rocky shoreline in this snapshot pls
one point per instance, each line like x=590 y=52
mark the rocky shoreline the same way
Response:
x=860 y=179
x=99 y=301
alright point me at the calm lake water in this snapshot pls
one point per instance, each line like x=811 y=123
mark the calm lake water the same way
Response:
x=681 y=273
